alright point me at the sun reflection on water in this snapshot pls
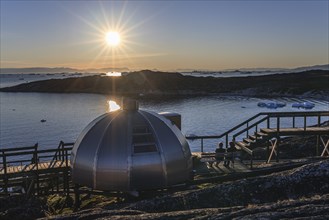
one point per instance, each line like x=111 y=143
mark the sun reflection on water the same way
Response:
x=113 y=106
x=113 y=74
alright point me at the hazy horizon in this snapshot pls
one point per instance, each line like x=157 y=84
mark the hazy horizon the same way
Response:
x=166 y=36
x=123 y=69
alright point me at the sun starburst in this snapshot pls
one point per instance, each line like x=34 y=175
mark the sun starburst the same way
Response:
x=113 y=35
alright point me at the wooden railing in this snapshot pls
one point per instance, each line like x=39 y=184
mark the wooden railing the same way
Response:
x=62 y=153
x=253 y=124
x=32 y=156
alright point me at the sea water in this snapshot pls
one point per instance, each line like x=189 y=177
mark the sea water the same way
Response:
x=66 y=115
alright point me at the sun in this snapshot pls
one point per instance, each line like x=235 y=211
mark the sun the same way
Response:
x=112 y=35
x=112 y=38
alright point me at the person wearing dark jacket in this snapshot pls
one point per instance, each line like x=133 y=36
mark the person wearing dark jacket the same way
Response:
x=219 y=153
x=230 y=157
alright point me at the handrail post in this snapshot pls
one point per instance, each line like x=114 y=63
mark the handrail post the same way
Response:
x=304 y=122
x=248 y=129
x=67 y=172
x=63 y=158
x=318 y=137
x=317 y=145
x=67 y=157
x=319 y=120
x=60 y=151
x=35 y=154
x=268 y=122
x=278 y=124
x=201 y=145
x=5 y=180
x=293 y=121
x=37 y=167
x=226 y=140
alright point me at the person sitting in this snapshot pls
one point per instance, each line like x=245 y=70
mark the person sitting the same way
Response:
x=230 y=157
x=219 y=153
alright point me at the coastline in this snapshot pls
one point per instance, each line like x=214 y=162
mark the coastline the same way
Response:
x=145 y=84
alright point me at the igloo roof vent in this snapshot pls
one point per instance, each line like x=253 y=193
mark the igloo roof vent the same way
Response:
x=129 y=105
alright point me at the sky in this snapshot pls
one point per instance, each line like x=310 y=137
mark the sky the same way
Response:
x=164 y=35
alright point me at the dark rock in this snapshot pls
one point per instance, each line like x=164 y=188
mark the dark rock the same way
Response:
x=304 y=208
x=299 y=193
x=303 y=181
x=19 y=207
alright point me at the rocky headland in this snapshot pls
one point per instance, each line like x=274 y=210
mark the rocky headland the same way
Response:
x=313 y=83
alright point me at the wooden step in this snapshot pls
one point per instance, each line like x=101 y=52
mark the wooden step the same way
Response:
x=237 y=147
x=258 y=140
x=248 y=141
x=241 y=144
x=261 y=134
x=296 y=131
x=244 y=147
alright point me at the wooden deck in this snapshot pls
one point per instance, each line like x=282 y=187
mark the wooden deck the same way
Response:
x=35 y=170
x=219 y=168
x=40 y=167
x=296 y=131
x=210 y=166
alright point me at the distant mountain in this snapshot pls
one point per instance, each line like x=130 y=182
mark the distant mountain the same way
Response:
x=263 y=69
x=298 y=69
x=125 y=69
x=316 y=67
x=59 y=70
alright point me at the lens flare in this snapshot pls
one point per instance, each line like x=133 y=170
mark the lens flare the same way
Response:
x=113 y=106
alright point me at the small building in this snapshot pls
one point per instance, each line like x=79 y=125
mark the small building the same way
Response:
x=131 y=150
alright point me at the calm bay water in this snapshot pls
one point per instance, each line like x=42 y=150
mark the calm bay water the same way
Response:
x=67 y=114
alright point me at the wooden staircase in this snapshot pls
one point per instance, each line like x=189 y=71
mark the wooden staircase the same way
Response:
x=266 y=127
x=265 y=134
x=252 y=141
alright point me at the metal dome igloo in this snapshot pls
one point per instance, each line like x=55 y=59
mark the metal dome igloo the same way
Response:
x=130 y=149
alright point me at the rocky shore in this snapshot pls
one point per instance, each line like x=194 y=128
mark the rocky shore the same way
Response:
x=146 y=83
x=301 y=192
x=298 y=193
